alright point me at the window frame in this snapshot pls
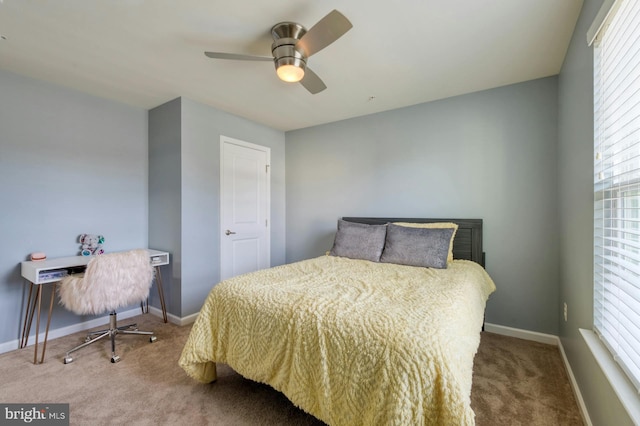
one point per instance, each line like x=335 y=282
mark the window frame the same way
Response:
x=621 y=382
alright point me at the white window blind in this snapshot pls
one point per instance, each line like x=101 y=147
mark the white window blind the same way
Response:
x=617 y=186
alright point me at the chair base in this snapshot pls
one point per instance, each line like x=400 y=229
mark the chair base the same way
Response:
x=112 y=331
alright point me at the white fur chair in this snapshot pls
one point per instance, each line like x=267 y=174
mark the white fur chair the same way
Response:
x=111 y=281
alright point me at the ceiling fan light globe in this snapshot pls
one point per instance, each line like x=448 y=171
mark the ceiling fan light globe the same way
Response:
x=290 y=73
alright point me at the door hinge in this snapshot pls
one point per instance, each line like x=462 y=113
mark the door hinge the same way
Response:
x=266 y=168
x=266 y=223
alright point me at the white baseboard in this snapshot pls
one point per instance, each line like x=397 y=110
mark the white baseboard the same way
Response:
x=549 y=339
x=96 y=322
x=574 y=385
x=189 y=319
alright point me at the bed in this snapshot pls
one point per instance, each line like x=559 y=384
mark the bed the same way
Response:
x=355 y=341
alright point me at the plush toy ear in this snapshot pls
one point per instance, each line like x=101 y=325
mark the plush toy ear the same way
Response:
x=82 y=237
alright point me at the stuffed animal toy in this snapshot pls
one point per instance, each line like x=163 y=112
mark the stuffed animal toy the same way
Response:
x=91 y=244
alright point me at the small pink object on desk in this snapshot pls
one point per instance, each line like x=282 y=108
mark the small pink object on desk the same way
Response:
x=38 y=256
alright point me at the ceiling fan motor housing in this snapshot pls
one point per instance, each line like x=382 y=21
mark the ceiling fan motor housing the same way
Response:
x=286 y=36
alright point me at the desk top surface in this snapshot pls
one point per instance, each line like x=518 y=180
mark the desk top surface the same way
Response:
x=31 y=268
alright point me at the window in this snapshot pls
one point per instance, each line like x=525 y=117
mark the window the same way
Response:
x=617 y=186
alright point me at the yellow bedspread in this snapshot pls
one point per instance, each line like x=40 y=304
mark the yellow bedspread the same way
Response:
x=351 y=342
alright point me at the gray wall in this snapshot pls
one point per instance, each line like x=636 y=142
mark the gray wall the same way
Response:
x=70 y=164
x=193 y=132
x=575 y=201
x=165 y=192
x=489 y=155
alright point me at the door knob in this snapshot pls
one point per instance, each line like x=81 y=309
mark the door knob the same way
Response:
x=227 y=232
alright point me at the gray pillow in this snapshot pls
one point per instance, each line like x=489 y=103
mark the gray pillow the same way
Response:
x=359 y=241
x=426 y=247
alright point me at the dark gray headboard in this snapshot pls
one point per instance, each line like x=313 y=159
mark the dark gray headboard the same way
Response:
x=466 y=245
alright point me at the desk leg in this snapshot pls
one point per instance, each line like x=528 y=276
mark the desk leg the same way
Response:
x=33 y=307
x=28 y=317
x=161 y=293
x=39 y=300
x=46 y=333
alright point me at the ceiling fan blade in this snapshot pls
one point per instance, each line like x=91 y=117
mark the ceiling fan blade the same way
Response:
x=324 y=32
x=312 y=82
x=237 y=56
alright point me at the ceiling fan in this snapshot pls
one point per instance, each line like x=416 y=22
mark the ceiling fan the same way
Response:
x=293 y=45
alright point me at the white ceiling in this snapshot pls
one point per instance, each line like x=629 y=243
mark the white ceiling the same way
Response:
x=400 y=53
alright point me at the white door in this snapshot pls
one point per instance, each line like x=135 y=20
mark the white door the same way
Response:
x=244 y=207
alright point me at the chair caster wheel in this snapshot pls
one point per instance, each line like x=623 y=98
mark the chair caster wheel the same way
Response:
x=68 y=360
x=152 y=339
x=115 y=359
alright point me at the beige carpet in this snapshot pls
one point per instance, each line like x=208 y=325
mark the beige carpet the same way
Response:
x=515 y=382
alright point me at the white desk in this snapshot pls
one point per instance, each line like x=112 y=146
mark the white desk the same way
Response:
x=51 y=271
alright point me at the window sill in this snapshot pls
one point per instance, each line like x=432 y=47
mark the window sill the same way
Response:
x=625 y=391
